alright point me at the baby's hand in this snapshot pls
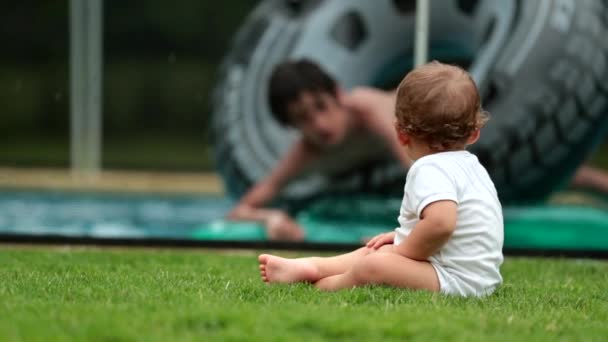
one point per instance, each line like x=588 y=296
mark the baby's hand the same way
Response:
x=380 y=240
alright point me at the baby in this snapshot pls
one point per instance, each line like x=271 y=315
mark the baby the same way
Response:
x=450 y=232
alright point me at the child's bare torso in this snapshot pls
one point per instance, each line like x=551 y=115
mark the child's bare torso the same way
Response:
x=367 y=140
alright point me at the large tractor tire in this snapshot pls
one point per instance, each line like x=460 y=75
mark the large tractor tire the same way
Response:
x=541 y=66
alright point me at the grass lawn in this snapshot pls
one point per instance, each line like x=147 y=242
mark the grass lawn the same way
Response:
x=58 y=294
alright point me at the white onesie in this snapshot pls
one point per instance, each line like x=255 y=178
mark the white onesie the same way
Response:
x=469 y=263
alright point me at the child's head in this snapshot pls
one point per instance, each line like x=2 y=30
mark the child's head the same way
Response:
x=439 y=105
x=304 y=96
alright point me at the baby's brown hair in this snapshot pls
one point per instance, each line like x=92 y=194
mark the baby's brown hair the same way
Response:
x=439 y=104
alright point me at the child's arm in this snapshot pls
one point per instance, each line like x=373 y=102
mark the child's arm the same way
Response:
x=436 y=225
x=279 y=226
x=264 y=191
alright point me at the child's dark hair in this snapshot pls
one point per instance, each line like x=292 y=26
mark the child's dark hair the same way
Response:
x=290 y=79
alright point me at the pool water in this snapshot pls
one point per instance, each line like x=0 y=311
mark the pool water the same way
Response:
x=107 y=215
x=572 y=227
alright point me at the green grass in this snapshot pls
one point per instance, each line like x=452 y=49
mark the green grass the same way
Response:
x=55 y=294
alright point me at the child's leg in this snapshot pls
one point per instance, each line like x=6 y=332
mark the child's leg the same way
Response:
x=384 y=268
x=592 y=178
x=275 y=269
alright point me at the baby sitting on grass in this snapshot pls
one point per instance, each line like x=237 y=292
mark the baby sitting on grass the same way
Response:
x=450 y=232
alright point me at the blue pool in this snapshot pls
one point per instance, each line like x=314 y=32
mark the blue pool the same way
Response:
x=198 y=220
x=107 y=215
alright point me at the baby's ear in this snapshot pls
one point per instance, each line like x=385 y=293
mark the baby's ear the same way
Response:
x=474 y=137
x=404 y=138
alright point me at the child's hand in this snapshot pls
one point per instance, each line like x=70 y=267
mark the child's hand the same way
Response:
x=279 y=226
x=380 y=240
x=239 y=212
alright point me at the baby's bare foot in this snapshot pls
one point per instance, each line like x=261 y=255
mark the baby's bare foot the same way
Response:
x=274 y=269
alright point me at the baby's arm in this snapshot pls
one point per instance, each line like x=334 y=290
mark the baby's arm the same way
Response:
x=436 y=225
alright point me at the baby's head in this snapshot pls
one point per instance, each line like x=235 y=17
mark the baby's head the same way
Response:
x=438 y=107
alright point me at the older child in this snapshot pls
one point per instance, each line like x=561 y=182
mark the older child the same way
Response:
x=451 y=227
x=303 y=96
